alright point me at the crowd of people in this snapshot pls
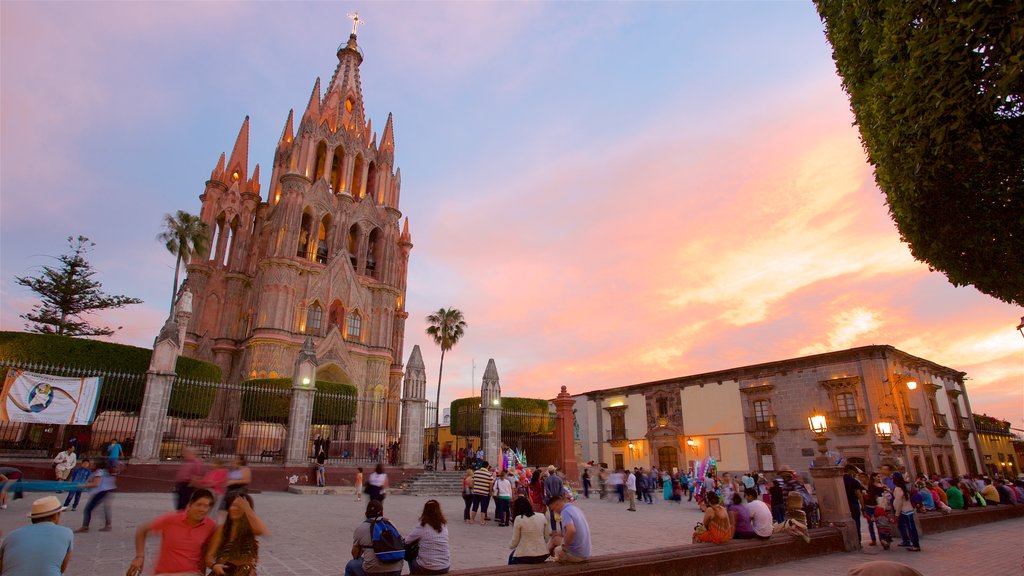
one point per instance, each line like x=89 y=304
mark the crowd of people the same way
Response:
x=214 y=528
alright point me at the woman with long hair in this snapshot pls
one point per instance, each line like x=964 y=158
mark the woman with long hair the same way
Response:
x=434 y=556
x=233 y=549
x=537 y=491
x=905 y=514
x=716 y=527
x=530 y=533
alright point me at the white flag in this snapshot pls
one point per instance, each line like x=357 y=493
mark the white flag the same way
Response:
x=44 y=399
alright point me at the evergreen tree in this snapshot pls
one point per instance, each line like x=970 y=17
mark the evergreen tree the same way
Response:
x=67 y=293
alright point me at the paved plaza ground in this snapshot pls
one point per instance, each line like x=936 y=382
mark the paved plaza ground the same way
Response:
x=312 y=535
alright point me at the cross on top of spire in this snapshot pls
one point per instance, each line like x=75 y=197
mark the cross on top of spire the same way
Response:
x=356 y=21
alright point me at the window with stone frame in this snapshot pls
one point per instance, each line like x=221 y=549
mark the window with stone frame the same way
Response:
x=618 y=421
x=762 y=412
x=314 y=318
x=354 y=326
x=715 y=448
x=662 y=407
x=846 y=405
x=766 y=456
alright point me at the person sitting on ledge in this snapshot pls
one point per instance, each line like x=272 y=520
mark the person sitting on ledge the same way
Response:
x=573 y=543
x=716 y=527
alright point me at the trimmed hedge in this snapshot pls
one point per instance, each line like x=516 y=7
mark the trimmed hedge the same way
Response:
x=542 y=424
x=262 y=406
x=126 y=366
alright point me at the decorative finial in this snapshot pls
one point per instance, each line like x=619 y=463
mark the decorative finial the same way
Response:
x=356 y=21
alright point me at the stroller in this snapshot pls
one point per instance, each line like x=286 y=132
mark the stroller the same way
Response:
x=884 y=524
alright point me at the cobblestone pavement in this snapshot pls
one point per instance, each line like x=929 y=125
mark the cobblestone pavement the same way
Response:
x=311 y=535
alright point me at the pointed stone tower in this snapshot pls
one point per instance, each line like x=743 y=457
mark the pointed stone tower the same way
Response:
x=324 y=255
x=490 y=415
x=414 y=409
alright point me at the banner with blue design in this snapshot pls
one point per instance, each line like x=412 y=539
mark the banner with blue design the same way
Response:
x=44 y=399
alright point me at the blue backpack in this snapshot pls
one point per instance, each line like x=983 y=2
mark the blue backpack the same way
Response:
x=388 y=544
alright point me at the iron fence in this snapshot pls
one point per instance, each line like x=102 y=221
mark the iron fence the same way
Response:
x=530 y=436
x=117 y=415
x=356 y=430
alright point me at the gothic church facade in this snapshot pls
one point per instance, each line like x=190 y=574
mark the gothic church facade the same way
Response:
x=324 y=255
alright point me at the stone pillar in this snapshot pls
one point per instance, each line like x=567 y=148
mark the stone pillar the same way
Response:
x=414 y=409
x=832 y=502
x=183 y=313
x=159 y=381
x=490 y=415
x=564 y=435
x=300 y=413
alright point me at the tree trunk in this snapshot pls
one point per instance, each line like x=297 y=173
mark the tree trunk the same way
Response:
x=437 y=412
x=174 y=292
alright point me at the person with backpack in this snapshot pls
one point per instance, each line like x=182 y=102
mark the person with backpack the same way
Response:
x=377 y=546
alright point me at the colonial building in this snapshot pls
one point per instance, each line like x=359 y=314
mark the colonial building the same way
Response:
x=324 y=254
x=998 y=453
x=755 y=417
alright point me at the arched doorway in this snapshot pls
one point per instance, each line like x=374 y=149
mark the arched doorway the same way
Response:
x=668 y=458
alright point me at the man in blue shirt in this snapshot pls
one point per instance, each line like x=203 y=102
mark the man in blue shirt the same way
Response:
x=573 y=544
x=40 y=549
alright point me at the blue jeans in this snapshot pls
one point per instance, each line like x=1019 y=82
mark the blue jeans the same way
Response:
x=501 y=512
x=355 y=568
x=77 y=495
x=908 y=529
x=94 y=501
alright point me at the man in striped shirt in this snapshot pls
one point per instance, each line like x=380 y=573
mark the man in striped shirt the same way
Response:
x=483 y=479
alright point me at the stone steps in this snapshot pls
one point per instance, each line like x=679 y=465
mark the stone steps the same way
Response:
x=431 y=483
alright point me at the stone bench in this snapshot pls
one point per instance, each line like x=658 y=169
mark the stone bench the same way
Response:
x=688 y=559
x=934 y=522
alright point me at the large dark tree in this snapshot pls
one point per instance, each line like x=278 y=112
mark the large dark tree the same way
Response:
x=69 y=292
x=938 y=93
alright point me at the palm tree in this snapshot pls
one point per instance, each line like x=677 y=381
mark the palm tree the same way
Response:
x=184 y=235
x=446 y=328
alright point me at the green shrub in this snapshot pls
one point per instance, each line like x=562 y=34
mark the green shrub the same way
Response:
x=261 y=405
x=512 y=419
x=124 y=368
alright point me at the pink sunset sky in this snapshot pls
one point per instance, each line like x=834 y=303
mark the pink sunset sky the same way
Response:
x=612 y=193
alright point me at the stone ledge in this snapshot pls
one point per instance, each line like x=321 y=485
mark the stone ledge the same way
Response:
x=688 y=560
x=934 y=522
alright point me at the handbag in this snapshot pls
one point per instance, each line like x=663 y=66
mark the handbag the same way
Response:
x=412 y=550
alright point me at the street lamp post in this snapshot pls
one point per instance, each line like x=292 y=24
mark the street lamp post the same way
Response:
x=819 y=426
x=1020 y=327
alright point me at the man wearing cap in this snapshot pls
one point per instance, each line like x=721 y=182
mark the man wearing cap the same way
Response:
x=40 y=549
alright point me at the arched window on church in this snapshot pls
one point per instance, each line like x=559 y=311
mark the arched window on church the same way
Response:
x=373 y=248
x=230 y=245
x=218 y=230
x=321 y=157
x=335 y=315
x=353 y=246
x=314 y=319
x=304 y=240
x=337 y=171
x=321 y=242
x=357 y=178
x=371 y=181
x=354 y=326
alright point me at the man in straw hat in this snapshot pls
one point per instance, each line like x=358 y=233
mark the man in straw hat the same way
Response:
x=42 y=548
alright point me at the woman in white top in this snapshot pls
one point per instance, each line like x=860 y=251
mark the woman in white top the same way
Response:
x=529 y=534
x=377 y=485
x=502 y=498
x=434 y=556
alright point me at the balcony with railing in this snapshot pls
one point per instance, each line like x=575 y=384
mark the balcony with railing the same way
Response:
x=963 y=427
x=847 y=422
x=940 y=424
x=912 y=419
x=616 y=436
x=761 y=425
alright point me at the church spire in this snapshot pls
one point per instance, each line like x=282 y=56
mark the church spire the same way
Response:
x=239 y=161
x=387 y=139
x=288 y=133
x=313 y=108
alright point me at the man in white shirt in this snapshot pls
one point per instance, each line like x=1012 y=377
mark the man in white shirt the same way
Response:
x=631 y=490
x=760 y=514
